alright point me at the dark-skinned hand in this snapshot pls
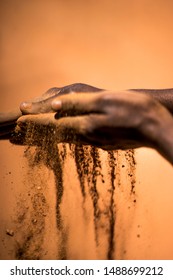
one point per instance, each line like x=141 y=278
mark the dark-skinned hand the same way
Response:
x=38 y=105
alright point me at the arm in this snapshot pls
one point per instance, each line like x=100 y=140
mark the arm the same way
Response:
x=43 y=104
x=109 y=120
x=164 y=96
x=156 y=133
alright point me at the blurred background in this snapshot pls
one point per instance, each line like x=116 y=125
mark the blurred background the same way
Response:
x=110 y=44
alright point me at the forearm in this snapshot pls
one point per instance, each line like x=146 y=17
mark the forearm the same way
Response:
x=164 y=96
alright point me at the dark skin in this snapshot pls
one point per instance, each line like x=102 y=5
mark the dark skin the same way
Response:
x=82 y=114
x=42 y=104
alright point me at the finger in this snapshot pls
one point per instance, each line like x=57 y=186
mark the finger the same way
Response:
x=78 y=87
x=37 y=127
x=50 y=92
x=78 y=104
x=39 y=104
x=42 y=106
x=4 y=130
x=31 y=131
x=48 y=120
x=9 y=117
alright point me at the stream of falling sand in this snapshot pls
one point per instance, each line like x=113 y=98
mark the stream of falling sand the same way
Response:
x=98 y=173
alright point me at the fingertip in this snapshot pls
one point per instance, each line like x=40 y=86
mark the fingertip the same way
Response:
x=22 y=120
x=25 y=106
x=56 y=105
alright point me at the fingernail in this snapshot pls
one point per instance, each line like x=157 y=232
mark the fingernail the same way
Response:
x=25 y=105
x=56 y=104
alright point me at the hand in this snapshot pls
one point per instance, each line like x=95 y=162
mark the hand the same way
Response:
x=38 y=105
x=110 y=120
x=8 y=119
x=43 y=104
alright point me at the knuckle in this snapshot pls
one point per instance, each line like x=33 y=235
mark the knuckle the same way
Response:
x=87 y=126
x=79 y=87
x=104 y=102
x=50 y=92
x=149 y=103
x=106 y=98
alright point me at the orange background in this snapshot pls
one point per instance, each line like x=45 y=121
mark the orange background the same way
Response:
x=108 y=44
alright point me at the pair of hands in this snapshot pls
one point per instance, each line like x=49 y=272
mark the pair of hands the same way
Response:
x=83 y=114
x=42 y=104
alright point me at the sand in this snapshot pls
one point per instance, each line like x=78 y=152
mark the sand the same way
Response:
x=97 y=179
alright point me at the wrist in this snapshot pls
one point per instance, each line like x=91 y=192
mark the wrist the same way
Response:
x=159 y=129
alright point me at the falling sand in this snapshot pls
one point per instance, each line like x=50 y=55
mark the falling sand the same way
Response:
x=71 y=200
